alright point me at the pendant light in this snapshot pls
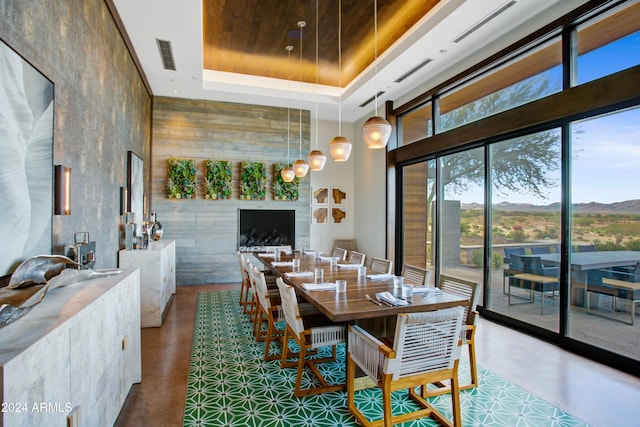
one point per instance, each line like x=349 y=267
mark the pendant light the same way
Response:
x=287 y=173
x=316 y=158
x=376 y=130
x=300 y=166
x=340 y=146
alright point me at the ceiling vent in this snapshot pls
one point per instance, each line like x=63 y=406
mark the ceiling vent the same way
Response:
x=484 y=20
x=166 y=54
x=371 y=99
x=413 y=70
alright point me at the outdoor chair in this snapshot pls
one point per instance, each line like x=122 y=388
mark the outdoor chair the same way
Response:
x=425 y=349
x=513 y=268
x=310 y=333
x=535 y=277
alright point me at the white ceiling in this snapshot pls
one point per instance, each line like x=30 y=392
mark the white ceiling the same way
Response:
x=432 y=37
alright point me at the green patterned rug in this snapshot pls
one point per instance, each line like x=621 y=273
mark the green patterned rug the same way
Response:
x=230 y=385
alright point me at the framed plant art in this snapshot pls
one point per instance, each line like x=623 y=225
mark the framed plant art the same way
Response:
x=253 y=180
x=283 y=190
x=181 y=180
x=217 y=180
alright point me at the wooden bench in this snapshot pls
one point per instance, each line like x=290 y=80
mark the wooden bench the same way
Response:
x=617 y=289
x=534 y=283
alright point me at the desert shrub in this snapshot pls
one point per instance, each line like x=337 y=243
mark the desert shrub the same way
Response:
x=496 y=259
x=517 y=234
x=633 y=245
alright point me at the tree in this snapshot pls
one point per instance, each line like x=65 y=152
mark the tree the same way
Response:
x=522 y=164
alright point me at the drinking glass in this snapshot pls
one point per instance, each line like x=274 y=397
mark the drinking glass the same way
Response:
x=341 y=286
x=296 y=265
x=398 y=282
x=319 y=275
x=362 y=274
x=407 y=292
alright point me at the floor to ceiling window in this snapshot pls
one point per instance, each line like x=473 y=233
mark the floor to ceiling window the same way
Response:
x=541 y=208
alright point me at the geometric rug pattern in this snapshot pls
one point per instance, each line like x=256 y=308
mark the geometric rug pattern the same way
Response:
x=230 y=385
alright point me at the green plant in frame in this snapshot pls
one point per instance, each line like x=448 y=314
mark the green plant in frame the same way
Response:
x=253 y=179
x=217 y=179
x=181 y=181
x=283 y=190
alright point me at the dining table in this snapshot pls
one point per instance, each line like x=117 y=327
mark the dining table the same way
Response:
x=358 y=301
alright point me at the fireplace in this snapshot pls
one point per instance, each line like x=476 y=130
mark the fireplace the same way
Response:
x=261 y=228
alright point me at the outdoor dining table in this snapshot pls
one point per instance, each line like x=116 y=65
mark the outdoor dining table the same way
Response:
x=583 y=262
x=352 y=305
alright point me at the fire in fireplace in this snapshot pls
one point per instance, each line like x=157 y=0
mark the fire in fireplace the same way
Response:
x=260 y=228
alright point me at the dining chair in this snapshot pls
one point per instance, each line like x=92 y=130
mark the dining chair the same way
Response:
x=266 y=311
x=380 y=265
x=356 y=258
x=415 y=275
x=348 y=244
x=244 y=286
x=339 y=253
x=469 y=290
x=310 y=333
x=425 y=349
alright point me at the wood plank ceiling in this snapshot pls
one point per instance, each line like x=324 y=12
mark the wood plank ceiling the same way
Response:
x=249 y=36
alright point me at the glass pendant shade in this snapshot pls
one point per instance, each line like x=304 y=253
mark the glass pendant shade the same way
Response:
x=317 y=160
x=376 y=132
x=287 y=174
x=300 y=168
x=340 y=149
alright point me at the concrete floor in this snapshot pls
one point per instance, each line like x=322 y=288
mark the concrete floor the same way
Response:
x=596 y=394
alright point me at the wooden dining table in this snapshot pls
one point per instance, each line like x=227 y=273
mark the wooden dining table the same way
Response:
x=352 y=305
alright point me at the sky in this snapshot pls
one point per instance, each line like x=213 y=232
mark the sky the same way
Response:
x=605 y=149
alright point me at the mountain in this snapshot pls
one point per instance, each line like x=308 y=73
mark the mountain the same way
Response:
x=626 y=207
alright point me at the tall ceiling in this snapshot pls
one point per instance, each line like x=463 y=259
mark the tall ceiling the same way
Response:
x=234 y=50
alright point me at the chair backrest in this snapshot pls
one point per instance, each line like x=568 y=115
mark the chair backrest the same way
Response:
x=587 y=248
x=537 y=250
x=512 y=251
x=248 y=266
x=348 y=244
x=340 y=253
x=463 y=288
x=289 y=303
x=380 y=265
x=415 y=275
x=356 y=258
x=425 y=342
x=261 y=288
x=243 y=272
x=516 y=262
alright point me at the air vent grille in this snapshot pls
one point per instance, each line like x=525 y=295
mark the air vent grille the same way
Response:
x=413 y=70
x=484 y=20
x=166 y=54
x=371 y=99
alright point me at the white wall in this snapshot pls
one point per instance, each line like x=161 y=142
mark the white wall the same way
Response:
x=334 y=174
x=370 y=196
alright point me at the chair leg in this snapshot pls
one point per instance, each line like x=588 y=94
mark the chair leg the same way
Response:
x=472 y=365
x=386 y=404
x=455 y=400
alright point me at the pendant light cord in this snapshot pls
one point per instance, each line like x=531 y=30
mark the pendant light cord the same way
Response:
x=375 y=54
x=289 y=49
x=301 y=24
x=340 y=67
x=316 y=74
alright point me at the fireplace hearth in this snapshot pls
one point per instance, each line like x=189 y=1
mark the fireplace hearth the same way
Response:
x=258 y=229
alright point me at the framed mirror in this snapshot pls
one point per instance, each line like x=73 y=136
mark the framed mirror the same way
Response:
x=135 y=186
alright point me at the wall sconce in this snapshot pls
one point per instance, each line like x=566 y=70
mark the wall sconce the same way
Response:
x=124 y=197
x=62 y=196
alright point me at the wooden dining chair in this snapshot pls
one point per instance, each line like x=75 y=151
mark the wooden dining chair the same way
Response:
x=245 y=286
x=356 y=258
x=266 y=310
x=415 y=275
x=310 y=333
x=380 y=265
x=469 y=290
x=340 y=253
x=425 y=349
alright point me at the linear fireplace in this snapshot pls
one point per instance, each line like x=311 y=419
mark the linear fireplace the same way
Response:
x=260 y=228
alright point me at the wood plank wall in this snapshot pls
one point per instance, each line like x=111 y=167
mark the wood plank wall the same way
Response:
x=415 y=214
x=206 y=231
